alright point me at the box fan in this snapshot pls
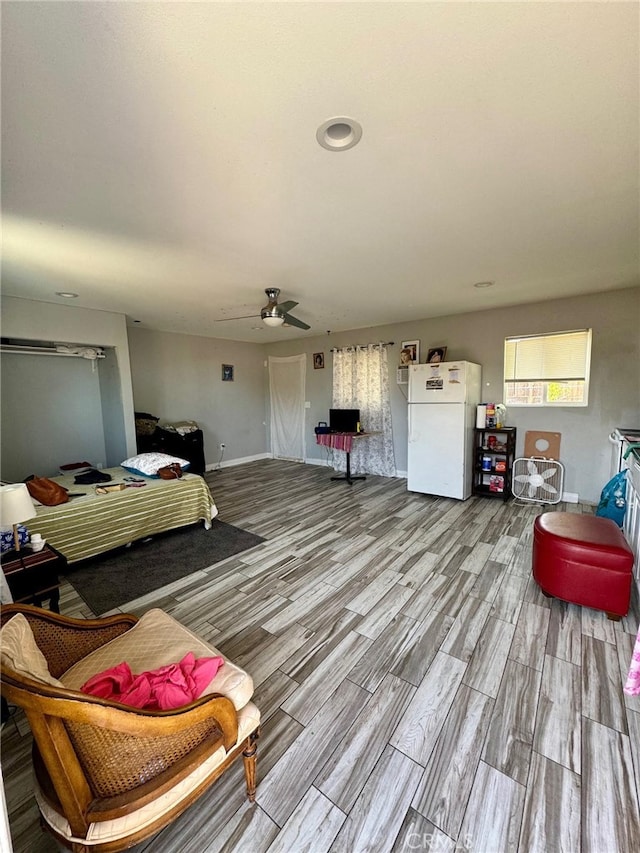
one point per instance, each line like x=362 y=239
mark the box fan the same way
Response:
x=537 y=480
x=538 y=477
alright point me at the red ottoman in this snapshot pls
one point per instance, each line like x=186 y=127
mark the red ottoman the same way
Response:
x=583 y=559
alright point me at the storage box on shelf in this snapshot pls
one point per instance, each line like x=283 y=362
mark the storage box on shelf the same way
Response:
x=494 y=452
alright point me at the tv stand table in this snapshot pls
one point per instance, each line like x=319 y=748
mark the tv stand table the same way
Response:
x=343 y=441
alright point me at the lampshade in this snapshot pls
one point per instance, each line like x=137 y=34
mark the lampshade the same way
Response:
x=15 y=504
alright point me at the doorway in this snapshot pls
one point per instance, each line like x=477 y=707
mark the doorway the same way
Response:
x=286 y=391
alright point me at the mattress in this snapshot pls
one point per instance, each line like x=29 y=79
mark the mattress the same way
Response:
x=94 y=523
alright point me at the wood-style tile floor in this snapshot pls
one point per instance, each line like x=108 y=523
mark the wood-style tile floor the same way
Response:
x=417 y=690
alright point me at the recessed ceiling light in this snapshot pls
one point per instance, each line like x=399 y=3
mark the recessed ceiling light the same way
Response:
x=339 y=133
x=66 y=294
x=480 y=284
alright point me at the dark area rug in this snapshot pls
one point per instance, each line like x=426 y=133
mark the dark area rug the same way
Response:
x=112 y=579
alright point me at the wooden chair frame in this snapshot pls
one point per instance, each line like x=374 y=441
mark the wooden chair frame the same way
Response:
x=97 y=760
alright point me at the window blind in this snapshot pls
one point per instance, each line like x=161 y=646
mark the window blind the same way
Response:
x=562 y=356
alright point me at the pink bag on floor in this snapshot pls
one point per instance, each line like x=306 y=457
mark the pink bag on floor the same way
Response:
x=632 y=686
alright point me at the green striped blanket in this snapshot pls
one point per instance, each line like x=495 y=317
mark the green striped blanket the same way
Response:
x=94 y=523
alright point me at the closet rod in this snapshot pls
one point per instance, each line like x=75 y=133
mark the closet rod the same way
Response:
x=24 y=351
x=363 y=346
x=35 y=351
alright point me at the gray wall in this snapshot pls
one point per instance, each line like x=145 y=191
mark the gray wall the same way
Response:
x=112 y=409
x=44 y=321
x=614 y=398
x=179 y=377
x=51 y=415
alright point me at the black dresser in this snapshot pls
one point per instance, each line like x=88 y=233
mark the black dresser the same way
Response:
x=189 y=446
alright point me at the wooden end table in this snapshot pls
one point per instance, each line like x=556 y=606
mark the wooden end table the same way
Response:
x=33 y=575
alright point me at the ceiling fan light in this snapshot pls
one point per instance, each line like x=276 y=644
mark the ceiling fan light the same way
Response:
x=272 y=320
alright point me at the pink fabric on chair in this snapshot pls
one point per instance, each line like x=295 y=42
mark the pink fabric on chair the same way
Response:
x=632 y=686
x=160 y=689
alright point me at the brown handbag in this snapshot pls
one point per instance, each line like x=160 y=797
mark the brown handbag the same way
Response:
x=47 y=492
x=172 y=471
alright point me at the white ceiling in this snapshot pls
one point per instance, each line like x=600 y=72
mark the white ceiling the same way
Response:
x=160 y=159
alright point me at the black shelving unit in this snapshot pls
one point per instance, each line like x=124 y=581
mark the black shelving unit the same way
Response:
x=493 y=456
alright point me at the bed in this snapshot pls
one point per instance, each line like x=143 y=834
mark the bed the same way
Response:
x=94 y=523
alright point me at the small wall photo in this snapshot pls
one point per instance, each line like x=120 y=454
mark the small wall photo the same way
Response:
x=436 y=354
x=410 y=352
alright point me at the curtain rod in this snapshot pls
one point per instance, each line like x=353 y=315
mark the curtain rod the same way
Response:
x=363 y=346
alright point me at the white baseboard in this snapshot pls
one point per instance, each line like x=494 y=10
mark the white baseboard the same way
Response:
x=571 y=497
x=214 y=466
x=324 y=463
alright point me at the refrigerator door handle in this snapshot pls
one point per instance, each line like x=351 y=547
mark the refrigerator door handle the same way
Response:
x=411 y=436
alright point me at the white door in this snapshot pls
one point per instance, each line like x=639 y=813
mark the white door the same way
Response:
x=287 y=389
x=436 y=449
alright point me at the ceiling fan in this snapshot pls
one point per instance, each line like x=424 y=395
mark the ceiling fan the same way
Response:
x=275 y=313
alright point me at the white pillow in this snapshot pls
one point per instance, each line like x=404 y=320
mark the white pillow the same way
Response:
x=20 y=651
x=147 y=464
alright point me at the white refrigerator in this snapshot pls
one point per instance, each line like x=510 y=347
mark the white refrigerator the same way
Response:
x=442 y=416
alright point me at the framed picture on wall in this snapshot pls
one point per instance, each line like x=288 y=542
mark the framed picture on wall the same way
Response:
x=436 y=355
x=318 y=360
x=410 y=352
x=227 y=373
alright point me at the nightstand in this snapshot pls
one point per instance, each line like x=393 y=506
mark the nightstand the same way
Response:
x=33 y=576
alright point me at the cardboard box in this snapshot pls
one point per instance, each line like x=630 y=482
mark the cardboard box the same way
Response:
x=496 y=484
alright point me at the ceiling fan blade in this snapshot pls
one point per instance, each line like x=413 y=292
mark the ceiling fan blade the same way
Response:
x=273 y=310
x=244 y=317
x=293 y=321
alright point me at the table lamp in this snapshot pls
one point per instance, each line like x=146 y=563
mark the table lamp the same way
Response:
x=15 y=506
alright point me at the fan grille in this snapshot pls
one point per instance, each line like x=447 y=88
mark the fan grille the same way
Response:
x=537 y=480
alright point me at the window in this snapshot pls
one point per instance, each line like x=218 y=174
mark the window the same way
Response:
x=548 y=370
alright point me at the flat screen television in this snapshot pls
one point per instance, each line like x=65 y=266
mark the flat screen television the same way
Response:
x=344 y=420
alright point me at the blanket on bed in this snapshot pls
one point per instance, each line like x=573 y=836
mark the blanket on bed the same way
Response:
x=94 y=523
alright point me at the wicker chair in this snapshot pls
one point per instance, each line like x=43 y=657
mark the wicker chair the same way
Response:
x=107 y=775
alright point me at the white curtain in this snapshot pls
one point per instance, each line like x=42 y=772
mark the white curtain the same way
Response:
x=287 y=386
x=361 y=381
